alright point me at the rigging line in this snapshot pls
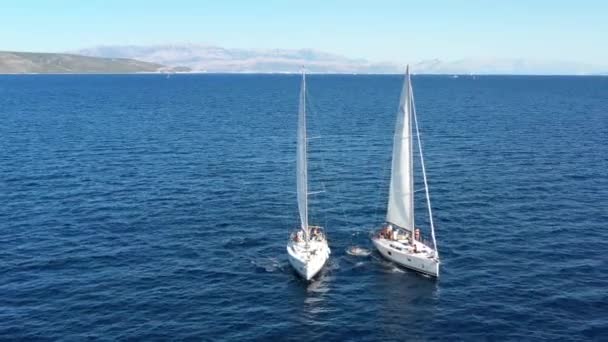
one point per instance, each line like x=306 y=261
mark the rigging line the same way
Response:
x=324 y=163
x=426 y=186
x=377 y=203
x=312 y=109
x=382 y=190
x=325 y=216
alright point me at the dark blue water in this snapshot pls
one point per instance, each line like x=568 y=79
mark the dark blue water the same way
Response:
x=151 y=208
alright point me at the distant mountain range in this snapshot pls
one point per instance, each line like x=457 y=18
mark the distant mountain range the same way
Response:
x=504 y=66
x=33 y=62
x=207 y=58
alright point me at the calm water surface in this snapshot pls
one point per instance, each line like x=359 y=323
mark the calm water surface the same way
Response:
x=141 y=207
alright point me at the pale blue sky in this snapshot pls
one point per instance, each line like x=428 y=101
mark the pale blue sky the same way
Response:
x=378 y=30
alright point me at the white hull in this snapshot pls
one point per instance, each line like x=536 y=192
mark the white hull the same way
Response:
x=400 y=252
x=309 y=259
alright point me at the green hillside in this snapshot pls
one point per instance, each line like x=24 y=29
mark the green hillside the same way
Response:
x=32 y=62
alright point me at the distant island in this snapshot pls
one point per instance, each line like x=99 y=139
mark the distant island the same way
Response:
x=120 y=59
x=211 y=58
x=64 y=63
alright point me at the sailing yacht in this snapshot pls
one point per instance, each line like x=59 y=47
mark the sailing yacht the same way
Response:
x=400 y=240
x=307 y=247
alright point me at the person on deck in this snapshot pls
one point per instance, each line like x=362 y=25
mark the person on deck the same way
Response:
x=317 y=233
x=389 y=231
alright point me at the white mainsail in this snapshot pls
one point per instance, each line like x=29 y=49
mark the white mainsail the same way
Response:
x=401 y=195
x=302 y=169
x=408 y=250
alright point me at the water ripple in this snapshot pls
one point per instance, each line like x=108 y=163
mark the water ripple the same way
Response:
x=140 y=207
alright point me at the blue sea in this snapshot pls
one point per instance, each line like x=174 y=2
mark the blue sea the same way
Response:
x=141 y=207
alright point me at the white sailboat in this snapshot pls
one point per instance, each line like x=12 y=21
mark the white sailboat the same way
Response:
x=307 y=247
x=400 y=240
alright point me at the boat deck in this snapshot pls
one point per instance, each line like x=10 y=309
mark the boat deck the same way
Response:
x=403 y=245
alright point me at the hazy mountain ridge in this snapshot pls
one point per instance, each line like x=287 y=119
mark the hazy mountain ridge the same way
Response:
x=208 y=58
x=33 y=62
x=516 y=66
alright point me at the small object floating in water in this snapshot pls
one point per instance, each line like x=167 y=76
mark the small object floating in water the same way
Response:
x=268 y=264
x=357 y=251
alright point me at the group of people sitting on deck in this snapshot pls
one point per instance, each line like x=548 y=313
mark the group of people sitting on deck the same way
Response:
x=390 y=233
x=315 y=234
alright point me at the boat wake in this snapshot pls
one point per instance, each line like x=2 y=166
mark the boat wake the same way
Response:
x=359 y=264
x=396 y=269
x=358 y=251
x=269 y=265
x=240 y=241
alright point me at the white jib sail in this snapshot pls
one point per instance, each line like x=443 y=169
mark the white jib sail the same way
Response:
x=302 y=171
x=401 y=195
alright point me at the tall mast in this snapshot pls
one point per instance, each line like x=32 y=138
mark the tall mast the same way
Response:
x=426 y=185
x=302 y=167
x=411 y=148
